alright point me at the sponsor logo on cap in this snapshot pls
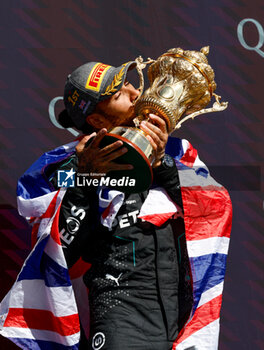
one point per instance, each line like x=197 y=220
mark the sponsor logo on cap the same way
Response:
x=96 y=76
x=84 y=105
x=112 y=88
x=73 y=98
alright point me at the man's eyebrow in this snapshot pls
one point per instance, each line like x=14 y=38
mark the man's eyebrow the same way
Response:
x=117 y=94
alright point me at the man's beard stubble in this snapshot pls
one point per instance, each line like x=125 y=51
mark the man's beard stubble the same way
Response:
x=118 y=121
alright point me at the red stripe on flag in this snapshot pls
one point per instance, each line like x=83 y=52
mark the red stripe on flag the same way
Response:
x=34 y=234
x=31 y=219
x=42 y=320
x=157 y=219
x=203 y=316
x=79 y=268
x=55 y=227
x=106 y=211
x=51 y=208
x=207 y=212
x=189 y=156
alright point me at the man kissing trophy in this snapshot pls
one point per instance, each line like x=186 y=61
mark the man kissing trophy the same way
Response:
x=181 y=82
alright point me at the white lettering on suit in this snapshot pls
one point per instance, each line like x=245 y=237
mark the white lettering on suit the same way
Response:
x=126 y=220
x=73 y=225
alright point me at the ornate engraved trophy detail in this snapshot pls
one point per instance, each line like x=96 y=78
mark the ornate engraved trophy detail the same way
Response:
x=181 y=83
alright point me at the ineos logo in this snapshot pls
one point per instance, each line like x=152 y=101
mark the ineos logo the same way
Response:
x=240 y=34
x=72 y=225
x=98 y=341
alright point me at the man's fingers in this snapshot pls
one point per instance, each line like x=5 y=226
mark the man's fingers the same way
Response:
x=96 y=141
x=159 y=121
x=153 y=144
x=115 y=154
x=80 y=146
x=107 y=149
x=110 y=148
x=152 y=131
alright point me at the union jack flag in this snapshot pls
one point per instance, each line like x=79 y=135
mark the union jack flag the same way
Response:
x=42 y=310
x=207 y=218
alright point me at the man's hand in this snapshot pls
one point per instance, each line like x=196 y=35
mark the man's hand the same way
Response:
x=93 y=159
x=156 y=129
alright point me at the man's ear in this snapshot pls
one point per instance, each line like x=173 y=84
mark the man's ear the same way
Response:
x=98 y=121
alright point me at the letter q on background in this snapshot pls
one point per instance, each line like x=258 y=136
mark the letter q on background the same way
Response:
x=260 y=30
x=54 y=119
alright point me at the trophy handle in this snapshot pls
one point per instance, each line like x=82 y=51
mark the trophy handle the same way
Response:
x=217 y=107
x=140 y=66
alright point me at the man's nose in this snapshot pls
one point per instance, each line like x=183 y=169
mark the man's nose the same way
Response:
x=134 y=93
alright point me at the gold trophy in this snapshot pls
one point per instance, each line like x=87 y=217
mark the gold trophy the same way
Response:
x=181 y=83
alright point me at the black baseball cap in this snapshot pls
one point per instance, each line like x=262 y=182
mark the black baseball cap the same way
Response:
x=89 y=84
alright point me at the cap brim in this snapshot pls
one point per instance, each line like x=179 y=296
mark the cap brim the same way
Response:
x=129 y=66
x=119 y=75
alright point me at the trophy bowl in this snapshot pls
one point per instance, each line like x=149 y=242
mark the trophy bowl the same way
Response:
x=181 y=83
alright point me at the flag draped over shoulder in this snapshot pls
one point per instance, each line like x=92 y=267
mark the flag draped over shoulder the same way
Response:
x=208 y=218
x=40 y=311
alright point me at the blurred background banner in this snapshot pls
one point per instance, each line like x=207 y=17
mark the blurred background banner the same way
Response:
x=42 y=41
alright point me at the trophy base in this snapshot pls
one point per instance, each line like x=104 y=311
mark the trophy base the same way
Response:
x=139 y=155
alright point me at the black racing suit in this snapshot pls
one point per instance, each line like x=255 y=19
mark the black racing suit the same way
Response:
x=134 y=279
